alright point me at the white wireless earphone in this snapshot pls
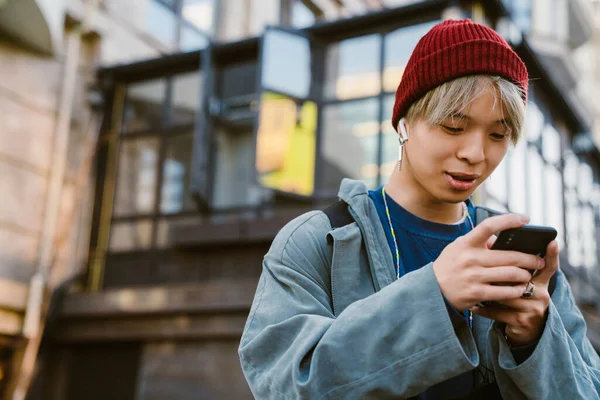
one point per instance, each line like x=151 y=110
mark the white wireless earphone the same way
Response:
x=403 y=132
x=403 y=137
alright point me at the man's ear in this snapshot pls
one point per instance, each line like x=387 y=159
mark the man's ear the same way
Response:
x=402 y=129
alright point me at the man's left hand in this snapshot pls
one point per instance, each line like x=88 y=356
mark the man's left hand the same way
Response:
x=525 y=318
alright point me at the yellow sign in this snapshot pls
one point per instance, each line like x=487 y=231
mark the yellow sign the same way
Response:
x=286 y=144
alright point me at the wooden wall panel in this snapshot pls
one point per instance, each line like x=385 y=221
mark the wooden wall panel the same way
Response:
x=191 y=371
x=184 y=266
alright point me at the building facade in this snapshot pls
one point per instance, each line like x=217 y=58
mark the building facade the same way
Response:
x=49 y=123
x=153 y=149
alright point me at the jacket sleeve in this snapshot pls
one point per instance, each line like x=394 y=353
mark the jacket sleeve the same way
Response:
x=393 y=344
x=564 y=365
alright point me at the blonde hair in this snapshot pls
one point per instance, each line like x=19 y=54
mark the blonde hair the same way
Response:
x=456 y=95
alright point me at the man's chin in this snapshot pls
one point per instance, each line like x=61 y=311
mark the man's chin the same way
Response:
x=454 y=197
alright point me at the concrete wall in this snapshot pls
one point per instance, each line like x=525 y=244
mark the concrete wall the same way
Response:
x=123 y=30
x=29 y=89
x=30 y=94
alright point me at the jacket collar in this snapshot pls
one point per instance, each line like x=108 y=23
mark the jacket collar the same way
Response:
x=356 y=194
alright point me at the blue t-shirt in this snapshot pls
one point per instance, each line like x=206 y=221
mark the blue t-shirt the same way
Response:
x=421 y=242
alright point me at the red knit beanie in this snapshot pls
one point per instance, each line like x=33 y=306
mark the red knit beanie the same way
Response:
x=452 y=49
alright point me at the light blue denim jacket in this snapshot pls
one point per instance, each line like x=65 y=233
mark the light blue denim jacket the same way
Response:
x=330 y=321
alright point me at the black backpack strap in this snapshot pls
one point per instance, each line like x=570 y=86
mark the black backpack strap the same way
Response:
x=338 y=214
x=482 y=213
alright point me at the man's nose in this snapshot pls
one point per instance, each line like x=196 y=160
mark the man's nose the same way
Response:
x=472 y=149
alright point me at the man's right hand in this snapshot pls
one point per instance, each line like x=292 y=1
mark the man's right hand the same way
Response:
x=467 y=268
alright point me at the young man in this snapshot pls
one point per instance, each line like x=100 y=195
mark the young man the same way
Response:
x=386 y=306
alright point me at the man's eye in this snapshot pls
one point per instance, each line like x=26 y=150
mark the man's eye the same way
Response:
x=498 y=136
x=451 y=129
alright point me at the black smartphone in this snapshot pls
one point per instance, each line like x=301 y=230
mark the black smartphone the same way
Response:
x=530 y=239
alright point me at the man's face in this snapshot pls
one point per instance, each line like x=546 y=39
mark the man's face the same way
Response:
x=450 y=161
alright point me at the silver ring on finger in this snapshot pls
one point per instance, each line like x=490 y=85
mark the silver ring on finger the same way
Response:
x=529 y=291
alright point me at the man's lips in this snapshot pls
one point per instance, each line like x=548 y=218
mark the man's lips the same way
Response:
x=462 y=176
x=461 y=181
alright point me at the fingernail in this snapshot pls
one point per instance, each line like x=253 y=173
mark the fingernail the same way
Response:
x=524 y=218
x=541 y=262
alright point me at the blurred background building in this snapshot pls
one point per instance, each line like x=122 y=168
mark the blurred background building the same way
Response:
x=151 y=149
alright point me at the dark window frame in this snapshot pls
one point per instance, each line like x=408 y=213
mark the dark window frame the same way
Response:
x=164 y=133
x=224 y=54
x=181 y=22
x=325 y=194
x=208 y=62
x=287 y=11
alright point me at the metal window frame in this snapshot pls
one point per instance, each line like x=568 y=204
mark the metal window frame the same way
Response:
x=107 y=168
x=208 y=61
x=181 y=21
x=286 y=11
x=163 y=133
x=314 y=95
x=114 y=82
x=380 y=23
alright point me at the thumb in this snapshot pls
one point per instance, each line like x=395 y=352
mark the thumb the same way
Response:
x=489 y=226
x=491 y=241
x=543 y=275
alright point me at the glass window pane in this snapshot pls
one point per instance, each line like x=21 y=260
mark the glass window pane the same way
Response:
x=136 y=177
x=554 y=201
x=534 y=122
x=144 y=105
x=186 y=98
x=172 y=4
x=175 y=195
x=551 y=144
x=586 y=181
x=238 y=79
x=235 y=175
x=398 y=48
x=596 y=199
x=352 y=68
x=286 y=63
x=161 y=22
x=350 y=142
x=192 y=40
x=389 y=148
x=128 y=236
x=536 y=187
x=571 y=199
x=496 y=184
x=571 y=170
x=518 y=190
x=573 y=241
x=302 y=16
x=588 y=233
x=286 y=144
x=199 y=13
x=521 y=12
